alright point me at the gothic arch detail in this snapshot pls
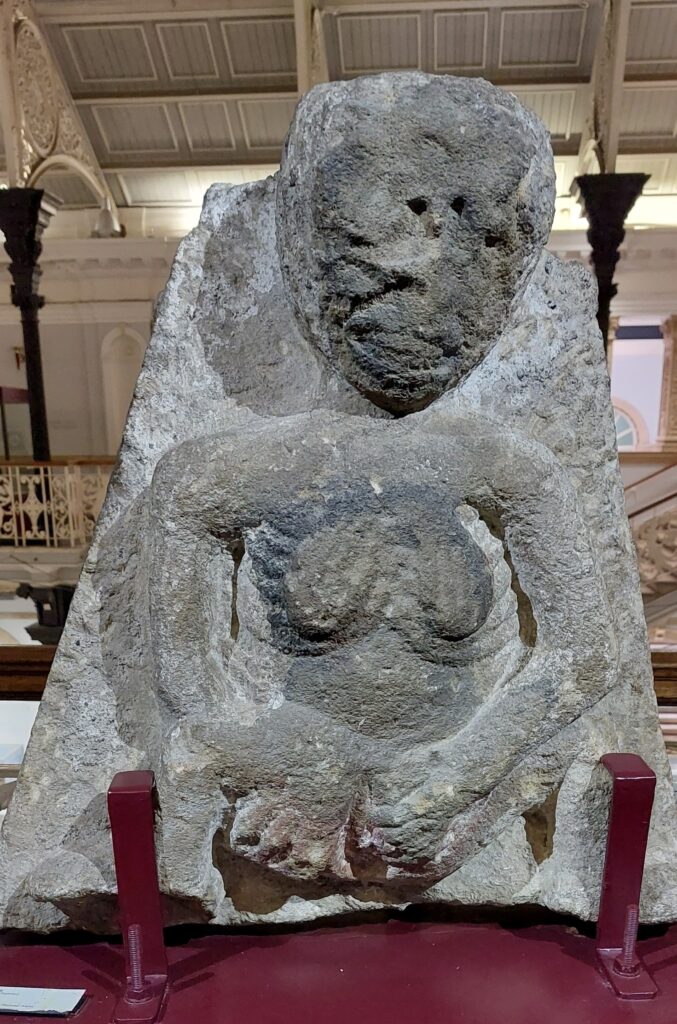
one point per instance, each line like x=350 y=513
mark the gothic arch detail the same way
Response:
x=122 y=353
x=39 y=121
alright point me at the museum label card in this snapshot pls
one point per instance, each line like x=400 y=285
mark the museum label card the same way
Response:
x=56 y=1002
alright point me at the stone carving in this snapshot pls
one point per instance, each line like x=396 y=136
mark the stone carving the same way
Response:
x=362 y=593
x=361 y=748
x=655 y=538
x=43 y=127
x=390 y=279
x=36 y=88
x=667 y=426
x=74 y=143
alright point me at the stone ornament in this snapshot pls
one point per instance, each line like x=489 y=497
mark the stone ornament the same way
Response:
x=378 y=707
x=36 y=88
x=74 y=143
x=44 y=128
x=362 y=594
x=656 y=543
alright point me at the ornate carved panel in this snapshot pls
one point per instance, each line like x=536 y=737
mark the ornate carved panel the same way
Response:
x=667 y=429
x=35 y=87
x=42 y=126
x=656 y=543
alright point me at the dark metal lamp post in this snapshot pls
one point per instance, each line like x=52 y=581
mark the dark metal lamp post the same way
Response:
x=24 y=215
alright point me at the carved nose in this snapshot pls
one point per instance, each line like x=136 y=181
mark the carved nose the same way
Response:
x=421 y=208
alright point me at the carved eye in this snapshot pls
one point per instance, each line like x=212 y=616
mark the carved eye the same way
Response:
x=491 y=241
x=458 y=204
x=359 y=241
x=418 y=205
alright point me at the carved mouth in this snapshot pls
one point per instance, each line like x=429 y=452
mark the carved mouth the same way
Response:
x=397 y=282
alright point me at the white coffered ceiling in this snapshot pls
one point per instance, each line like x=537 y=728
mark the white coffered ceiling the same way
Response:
x=175 y=93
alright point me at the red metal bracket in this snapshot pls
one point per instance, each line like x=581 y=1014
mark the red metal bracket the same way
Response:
x=131 y=813
x=629 y=816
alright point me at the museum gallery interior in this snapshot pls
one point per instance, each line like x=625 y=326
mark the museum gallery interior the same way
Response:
x=338 y=511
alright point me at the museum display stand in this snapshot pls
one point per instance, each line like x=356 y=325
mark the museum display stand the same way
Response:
x=399 y=972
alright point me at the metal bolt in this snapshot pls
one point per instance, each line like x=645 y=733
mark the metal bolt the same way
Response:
x=137 y=990
x=628 y=962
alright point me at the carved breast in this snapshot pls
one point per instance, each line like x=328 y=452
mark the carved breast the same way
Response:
x=394 y=604
x=424 y=577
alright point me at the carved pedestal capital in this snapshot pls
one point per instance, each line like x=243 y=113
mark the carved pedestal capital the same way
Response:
x=606 y=200
x=24 y=215
x=52 y=604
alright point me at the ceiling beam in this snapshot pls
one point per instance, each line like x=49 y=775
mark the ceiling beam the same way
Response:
x=113 y=10
x=151 y=10
x=10 y=121
x=319 y=70
x=599 y=142
x=383 y=6
x=137 y=99
x=303 y=30
x=319 y=62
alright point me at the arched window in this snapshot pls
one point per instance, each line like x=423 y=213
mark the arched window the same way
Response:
x=121 y=358
x=626 y=431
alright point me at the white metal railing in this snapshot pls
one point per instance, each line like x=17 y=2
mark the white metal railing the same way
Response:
x=51 y=505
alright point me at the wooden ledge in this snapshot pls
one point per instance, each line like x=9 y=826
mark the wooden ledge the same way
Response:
x=24 y=671
x=664 y=665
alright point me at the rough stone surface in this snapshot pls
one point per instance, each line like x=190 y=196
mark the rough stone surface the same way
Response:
x=372 y=658
x=391 y=221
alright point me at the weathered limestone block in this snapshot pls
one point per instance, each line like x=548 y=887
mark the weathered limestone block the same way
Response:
x=362 y=594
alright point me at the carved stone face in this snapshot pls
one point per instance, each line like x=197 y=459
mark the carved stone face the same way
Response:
x=407 y=239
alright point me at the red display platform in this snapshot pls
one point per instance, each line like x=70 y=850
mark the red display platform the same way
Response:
x=399 y=973
x=402 y=972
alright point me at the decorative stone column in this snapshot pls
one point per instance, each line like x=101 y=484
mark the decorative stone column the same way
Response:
x=24 y=215
x=606 y=200
x=667 y=422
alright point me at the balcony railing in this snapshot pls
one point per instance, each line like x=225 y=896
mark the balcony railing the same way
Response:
x=53 y=505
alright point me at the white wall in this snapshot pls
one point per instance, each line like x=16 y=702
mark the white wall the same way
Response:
x=96 y=291
x=636 y=377
x=78 y=401
x=96 y=286
x=16 y=720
